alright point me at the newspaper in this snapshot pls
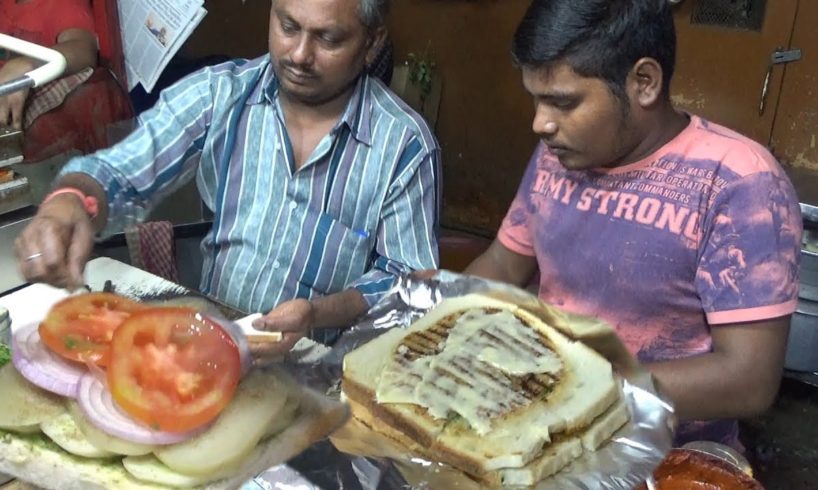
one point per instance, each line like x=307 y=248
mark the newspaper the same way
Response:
x=152 y=33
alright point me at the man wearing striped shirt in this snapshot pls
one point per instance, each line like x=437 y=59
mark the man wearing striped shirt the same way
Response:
x=322 y=182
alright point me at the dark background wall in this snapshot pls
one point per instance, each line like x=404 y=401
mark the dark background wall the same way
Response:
x=484 y=114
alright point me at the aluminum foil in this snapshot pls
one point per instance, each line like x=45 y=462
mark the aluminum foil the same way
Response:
x=622 y=463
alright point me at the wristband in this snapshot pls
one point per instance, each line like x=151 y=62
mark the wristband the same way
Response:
x=88 y=202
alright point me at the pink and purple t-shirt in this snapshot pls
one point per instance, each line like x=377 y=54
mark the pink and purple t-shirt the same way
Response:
x=703 y=232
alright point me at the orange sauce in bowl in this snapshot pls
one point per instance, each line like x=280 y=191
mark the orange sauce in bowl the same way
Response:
x=685 y=469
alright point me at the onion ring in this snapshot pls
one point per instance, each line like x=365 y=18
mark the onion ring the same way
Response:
x=42 y=367
x=98 y=405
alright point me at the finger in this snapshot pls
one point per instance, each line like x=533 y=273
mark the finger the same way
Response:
x=291 y=316
x=79 y=249
x=275 y=321
x=54 y=247
x=17 y=112
x=28 y=254
x=22 y=250
x=269 y=352
x=50 y=240
x=288 y=340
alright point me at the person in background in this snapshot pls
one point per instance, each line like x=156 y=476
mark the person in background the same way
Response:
x=682 y=234
x=66 y=26
x=322 y=182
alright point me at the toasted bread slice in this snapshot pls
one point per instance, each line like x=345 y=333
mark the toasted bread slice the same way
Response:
x=565 y=398
x=554 y=456
x=362 y=370
x=561 y=452
x=586 y=389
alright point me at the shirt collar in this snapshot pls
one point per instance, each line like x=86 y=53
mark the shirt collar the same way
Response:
x=357 y=115
x=266 y=87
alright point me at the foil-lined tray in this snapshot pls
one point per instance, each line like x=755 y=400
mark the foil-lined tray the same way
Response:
x=622 y=463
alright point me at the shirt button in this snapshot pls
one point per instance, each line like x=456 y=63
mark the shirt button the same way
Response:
x=276 y=264
x=293 y=204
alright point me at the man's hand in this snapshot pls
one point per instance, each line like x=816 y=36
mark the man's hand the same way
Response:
x=55 y=246
x=12 y=105
x=293 y=319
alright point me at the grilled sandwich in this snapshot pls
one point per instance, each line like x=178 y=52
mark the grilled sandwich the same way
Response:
x=487 y=388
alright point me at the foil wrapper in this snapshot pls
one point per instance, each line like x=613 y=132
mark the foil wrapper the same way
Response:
x=624 y=462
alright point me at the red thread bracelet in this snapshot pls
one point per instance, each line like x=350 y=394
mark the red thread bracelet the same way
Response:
x=89 y=202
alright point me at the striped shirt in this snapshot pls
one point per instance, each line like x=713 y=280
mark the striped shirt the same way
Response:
x=362 y=209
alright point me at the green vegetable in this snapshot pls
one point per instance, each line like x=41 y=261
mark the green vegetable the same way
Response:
x=5 y=354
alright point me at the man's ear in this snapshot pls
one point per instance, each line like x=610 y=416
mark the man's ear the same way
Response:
x=645 y=82
x=376 y=39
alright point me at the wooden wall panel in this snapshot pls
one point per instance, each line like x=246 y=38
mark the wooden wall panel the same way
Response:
x=796 y=125
x=720 y=71
x=484 y=122
x=232 y=28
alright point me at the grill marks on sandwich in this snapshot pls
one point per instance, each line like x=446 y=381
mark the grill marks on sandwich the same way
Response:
x=428 y=342
x=535 y=386
x=486 y=369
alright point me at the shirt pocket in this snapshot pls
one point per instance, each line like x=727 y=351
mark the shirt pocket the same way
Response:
x=335 y=255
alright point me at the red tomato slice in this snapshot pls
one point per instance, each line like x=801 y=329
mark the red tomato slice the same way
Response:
x=172 y=369
x=80 y=328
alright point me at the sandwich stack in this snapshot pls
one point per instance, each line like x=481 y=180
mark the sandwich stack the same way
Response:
x=487 y=388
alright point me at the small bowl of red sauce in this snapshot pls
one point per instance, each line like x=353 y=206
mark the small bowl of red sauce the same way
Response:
x=687 y=469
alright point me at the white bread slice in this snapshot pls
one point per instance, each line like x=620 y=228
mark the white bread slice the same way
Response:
x=585 y=390
x=605 y=426
x=361 y=371
x=259 y=398
x=374 y=438
x=560 y=453
x=553 y=458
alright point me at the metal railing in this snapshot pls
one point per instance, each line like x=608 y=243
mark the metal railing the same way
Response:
x=54 y=64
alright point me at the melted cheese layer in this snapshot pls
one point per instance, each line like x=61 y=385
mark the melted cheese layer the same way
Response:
x=472 y=375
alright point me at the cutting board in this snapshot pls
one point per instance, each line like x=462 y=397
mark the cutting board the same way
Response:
x=31 y=303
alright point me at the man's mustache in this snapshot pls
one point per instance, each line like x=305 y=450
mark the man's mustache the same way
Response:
x=305 y=69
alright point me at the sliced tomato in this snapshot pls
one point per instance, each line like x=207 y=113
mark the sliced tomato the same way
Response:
x=80 y=328
x=172 y=369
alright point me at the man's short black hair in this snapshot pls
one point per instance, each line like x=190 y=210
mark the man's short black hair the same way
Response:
x=597 y=38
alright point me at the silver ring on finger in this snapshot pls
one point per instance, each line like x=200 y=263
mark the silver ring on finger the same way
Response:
x=33 y=256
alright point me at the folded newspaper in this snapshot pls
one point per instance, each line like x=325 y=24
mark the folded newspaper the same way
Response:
x=152 y=33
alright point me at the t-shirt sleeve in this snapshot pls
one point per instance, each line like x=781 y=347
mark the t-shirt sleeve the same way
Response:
x=749 y=261
x=68 y=14
x=515 y=233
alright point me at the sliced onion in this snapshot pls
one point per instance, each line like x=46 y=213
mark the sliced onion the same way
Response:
x=98 y=405
x=42 y=367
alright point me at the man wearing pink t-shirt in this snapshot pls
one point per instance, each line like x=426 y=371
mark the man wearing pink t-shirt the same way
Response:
x=682 y=234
